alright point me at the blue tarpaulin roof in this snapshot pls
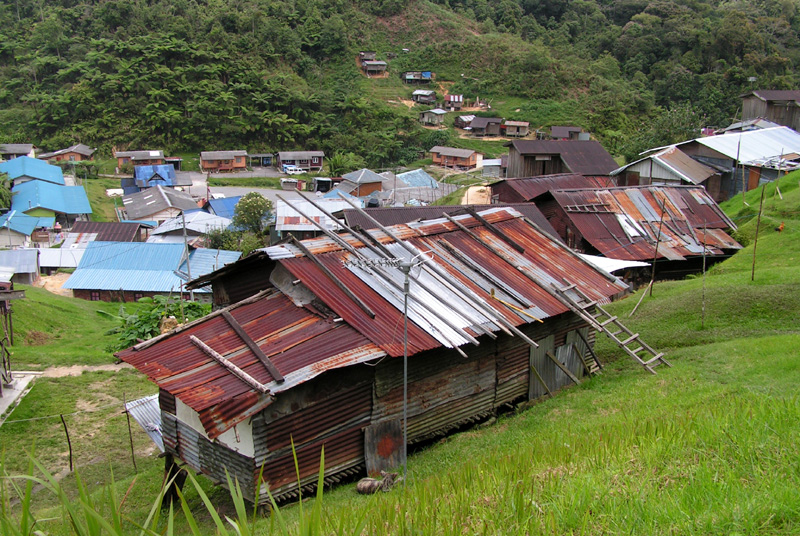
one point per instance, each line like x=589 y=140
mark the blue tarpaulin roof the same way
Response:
x=39 y=194
x=224 y=207
x=418 y=178
x=142 y=266
x=25 y=166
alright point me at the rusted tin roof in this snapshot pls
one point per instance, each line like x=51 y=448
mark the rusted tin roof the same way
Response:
x=586 y=157
x=397 y=215
x=623 y=223
x=483 y=272
x=479 y=262
x=298 y=342
x=529 y=188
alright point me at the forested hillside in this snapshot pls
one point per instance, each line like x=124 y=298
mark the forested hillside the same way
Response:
x=187 y=75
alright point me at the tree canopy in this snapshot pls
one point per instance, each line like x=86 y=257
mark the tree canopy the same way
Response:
x=270 y=75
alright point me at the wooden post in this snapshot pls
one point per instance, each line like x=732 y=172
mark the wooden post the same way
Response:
x=658 y=239
x=69 y=443
x=758 y=225
x=130 y=433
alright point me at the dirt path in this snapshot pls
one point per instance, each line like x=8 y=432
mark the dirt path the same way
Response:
x=77 y=370
x=477 y=195
x=53 y=283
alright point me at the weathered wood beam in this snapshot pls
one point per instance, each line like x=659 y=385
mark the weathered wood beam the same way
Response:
x=236 y=371
x=268 y=364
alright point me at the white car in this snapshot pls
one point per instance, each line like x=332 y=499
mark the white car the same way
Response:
x=293 y=170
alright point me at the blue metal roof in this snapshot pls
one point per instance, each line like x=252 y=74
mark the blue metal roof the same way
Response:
x=24 y=224
x=25 y=166
x=418 y=178
x=148 y=176
x=224 y=207
x=39 y=194
x=141 y=266
x=203 y=261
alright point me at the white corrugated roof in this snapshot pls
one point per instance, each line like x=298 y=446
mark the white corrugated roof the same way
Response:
x=754 y=146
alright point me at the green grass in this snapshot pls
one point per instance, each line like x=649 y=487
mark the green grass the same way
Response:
x=51 y=330
x=102 y=205
x=709 y=446
x=246 y=182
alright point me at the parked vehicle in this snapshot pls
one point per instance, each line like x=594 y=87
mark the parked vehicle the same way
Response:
x=292 y=170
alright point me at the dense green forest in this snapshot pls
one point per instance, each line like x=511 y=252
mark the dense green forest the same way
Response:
x=188 y=75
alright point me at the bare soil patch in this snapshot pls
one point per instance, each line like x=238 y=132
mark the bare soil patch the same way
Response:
x=477 y=195
x=53 y=283
x=37 y=338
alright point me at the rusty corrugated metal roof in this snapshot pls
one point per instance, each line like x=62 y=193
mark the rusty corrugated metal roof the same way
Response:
x=295 y=339
x=529 y=188
x=396 y=215
x=623 y=223
x=476 y=264
x=318 y=317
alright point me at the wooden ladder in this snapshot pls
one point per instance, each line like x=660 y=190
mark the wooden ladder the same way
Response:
x=609 y=324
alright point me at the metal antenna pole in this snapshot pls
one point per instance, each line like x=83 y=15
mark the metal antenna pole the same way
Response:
x=186 y=251
x=405 y=267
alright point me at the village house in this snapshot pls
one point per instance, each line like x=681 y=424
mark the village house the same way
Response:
x=463 y=121
x=150 y=176
x=139 y=158
x=373 y=68
x=156 y=204
x=75 y=241
x=315 y=358
x=434 y=117
x=221 y=161
x=367 y=56
x=223 y=206
x=289 y=221
x=567 y=133
x=453 y=103
x=18 y=230
x=669 y=166
x=417 y=77
x=531 y=158
x=516 y=129
x=779 y=106
x=486 y=126
x=10 y=151
x=128 y=271
x=307 y=160
x=456 y=158
x=361 y=182
x=24 y=168
x=673 y=224
x=424 y=96
x=191 y=226
x=75 y=153
x=533 y=189
x=745 y=160
x=41 y=199
x=20 y=266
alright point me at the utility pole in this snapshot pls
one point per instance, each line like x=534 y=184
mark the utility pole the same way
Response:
x=186 y=252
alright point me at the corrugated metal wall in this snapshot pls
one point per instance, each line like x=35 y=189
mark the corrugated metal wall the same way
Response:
x=445 y=391
x=207 y=457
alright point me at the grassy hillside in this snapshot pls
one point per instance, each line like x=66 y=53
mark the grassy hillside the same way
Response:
x=709 y=446
x=51 y=330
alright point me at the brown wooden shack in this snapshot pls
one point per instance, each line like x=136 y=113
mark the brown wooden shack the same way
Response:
x=316 y=357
